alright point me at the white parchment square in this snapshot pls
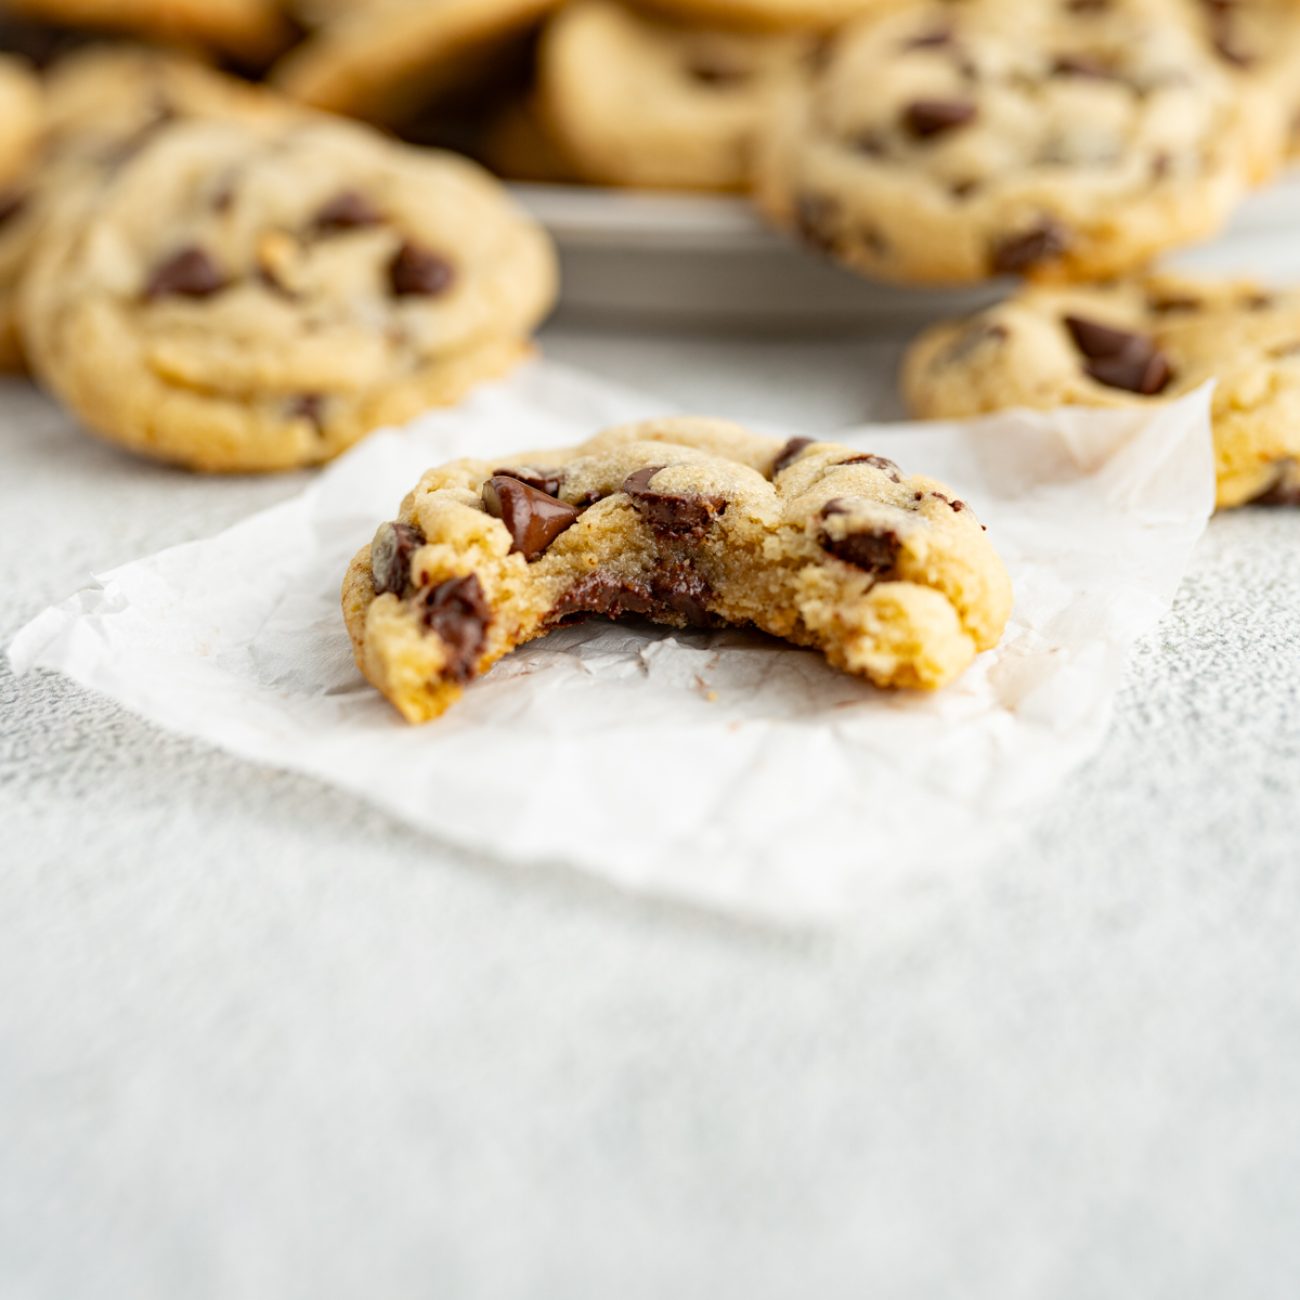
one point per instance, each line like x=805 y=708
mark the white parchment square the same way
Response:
x=723 y=768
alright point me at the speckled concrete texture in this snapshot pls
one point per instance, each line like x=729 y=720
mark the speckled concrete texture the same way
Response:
x=258 y=1040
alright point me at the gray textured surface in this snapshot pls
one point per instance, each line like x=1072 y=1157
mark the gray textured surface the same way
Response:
x=257 y=1040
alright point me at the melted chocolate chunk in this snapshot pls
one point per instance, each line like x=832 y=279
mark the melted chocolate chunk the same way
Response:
x=419 y=272
x=1119 y=358
x=549 y=481
x=1020 y=252
x=457 y=611
x=534 y=519
x=673 y=593
x=390 y=556
x=878 y=462
x=930 y=117
x=347 y=210
x=874 y=550
x=672 y=514
x=189 y=273
x=789 y=454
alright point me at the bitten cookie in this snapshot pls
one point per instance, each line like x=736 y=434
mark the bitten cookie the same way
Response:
x=948 y=142
x=258 y=295
x=244 y=27
x=97 y=106
x=1129 y=344
x=689 y=522
x=634 y=100
x=390 y=60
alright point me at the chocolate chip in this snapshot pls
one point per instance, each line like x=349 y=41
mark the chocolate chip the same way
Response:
x=1082 y=65
x=935 y=38
x=419 y=272
x=882 y=463
x=457 y=611
x=715 y=68
x=1119 y=358
x=955 y=506
x=390 y=556
x=549 y=481
x=1042 y=242
x=309 y=407
x=815 y=217
x=964 y=189
x=1094 y=339
x=347 y=210
x=674 y=593
x=929 y=117
x=12 y=202
x=1143 y=373
x=189 y=273
x=533 y=519
x=871 y=143
x=789 y=454
x=873 y=550
x=672 y=514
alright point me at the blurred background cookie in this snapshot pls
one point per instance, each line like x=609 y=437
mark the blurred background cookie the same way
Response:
x=634 y=100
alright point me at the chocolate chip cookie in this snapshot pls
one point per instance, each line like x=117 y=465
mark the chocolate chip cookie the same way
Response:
x=688 y=522
x=243 y=27
x=1129 y=344
x=256 y=295
x=634 y=100
x=98 y=104
x=949 y=142
x=392 y=60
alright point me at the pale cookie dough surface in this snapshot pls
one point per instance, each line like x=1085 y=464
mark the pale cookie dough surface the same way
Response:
x=248 y=27
x=690 y=522
x=1134 y=343
x=634 y=100
x=258 y=295
x=770 y=14
x=391 y=60
x=950 y=142
x=96 y=105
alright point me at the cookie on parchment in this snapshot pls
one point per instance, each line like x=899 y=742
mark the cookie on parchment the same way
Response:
x=635 y=100
x=689 y=522
x=257 y=295
x=392 y=60
x=1135 y=343
x=951 y=142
